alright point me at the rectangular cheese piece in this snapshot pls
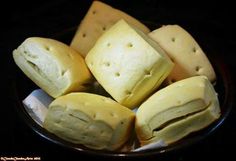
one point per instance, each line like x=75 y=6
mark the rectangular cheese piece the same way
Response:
x=177 y=110
x=52 y=65
x=128 y=64
x=99 y=18
x=95 y=121
x=184 y=51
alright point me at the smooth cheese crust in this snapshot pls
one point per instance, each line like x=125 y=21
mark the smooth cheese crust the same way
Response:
x=99 y=18
x=189 y=58
x=128 y=64
x=177 y=110
x=95 y=121
x=52 y=65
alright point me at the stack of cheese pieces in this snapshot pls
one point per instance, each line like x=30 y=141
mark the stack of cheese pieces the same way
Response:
x=130 y=65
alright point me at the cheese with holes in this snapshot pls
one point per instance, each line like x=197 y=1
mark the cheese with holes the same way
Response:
x=177 y=110
x=185 y=52
x=98 y=19
x=128 y=64
x=52 y=65
x=95 y=121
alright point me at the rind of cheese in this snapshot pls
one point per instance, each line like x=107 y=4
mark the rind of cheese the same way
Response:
x=52 y=65
x=128 y=64
x=95 y=121
x=177 y=110
x=185 y=52
x=99 y=18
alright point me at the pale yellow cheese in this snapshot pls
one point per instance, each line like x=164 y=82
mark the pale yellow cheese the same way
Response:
x=177 y=110
x=99 y=18
x=52 y=65
x=95 y=121
x=128 y=64
x=185 y=52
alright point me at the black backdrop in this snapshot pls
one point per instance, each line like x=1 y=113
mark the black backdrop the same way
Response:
x=209 y=22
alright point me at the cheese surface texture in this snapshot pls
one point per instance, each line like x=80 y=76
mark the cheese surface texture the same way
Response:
x=99 y=18
x=177 y=110
x=128 y=64
x=52 y=65
x=95 y=121
x=185 y=52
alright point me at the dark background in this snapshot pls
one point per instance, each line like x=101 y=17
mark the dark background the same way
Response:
x=210 y=24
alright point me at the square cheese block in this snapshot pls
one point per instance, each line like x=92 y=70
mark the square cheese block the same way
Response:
x=128 y=64
x=95 y=121
x=184 y=51
x=177 y=110
x=52 y=65
x=99 y=18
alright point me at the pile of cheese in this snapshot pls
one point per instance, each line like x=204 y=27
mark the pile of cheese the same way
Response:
x=164 y=74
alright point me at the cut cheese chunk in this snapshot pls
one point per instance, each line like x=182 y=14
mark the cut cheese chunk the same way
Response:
x=128 y=64
x=177 y=110
x=99 y=18
x=52 y=65
x=189 y=58
x=95 y=121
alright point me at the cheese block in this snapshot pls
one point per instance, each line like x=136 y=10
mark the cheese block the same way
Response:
x=99 y=18
x=52 y=65
x=128 y=64
x=177 y=110
x=95 y=121
x=184 y=51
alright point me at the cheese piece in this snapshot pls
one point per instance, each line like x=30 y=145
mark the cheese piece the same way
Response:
x=128 y=64
x=189 y=58
x=99 y=18
x=177 y=110
x=52 y=65
x=95 y=121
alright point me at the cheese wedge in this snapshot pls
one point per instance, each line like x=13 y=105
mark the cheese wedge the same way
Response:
x=184 y=51
x=95 y=121
x=99 y=18
x=52 y=65
x=177 y=110
x=128 y=64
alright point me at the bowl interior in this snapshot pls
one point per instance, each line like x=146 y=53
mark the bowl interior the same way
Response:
x=22 y=87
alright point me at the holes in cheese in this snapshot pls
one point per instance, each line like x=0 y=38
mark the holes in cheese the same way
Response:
x=173 y=39
x=198 y=68
x=194 y=49
x=108 y=44
x=47 y=48
x=117 y=74
x=130 y=45
x=84 y=35
x=107 y=64
x=103 y=28
x=147 y=72
x=128 y=92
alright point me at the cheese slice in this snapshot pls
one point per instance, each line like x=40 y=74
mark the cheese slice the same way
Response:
x=52 y=65
x=95 y=121
x=99 y=18
x=128 y=64
x=184 y=51
x=177 y=110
